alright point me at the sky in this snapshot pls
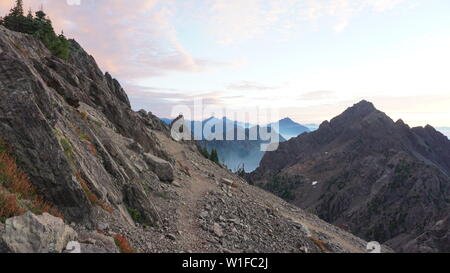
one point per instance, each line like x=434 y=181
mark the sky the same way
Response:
x=308 y=59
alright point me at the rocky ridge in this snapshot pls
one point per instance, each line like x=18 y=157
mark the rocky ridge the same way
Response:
x=116 y=175
x=374 y=177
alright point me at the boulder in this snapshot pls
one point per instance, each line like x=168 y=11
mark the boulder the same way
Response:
x=163 y=169
x=227 y=181
x=94 y=242
x=217 y=229
x=32 y=233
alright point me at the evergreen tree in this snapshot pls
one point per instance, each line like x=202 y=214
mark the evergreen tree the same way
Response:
x=17 y=11
x=241 y=170
x=15 y=19
x=40 y=15
x=214 y=157
x=203 y=151
x=39 y=26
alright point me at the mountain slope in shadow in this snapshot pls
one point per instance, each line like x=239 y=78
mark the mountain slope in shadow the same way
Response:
x=379 y=179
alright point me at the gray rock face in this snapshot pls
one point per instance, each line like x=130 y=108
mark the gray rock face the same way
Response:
x=71 y=127
x=31 y=233
x=162 y=168
x=140 y=206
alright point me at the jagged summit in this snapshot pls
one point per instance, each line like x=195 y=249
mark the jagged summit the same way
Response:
x=364 y=104
x=373 y=176
x=362 y=112
x=286 y=120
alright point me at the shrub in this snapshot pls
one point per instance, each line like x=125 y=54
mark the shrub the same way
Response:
x=91 y=196
x=92 y=148
x=67 y=147
x=17 y=194
x=85 y=139
x=82 y=136
x=123 y=244
x=322 y=245
x=9 y=206
x=98 y=123
x=84 y=116
x=136 y=215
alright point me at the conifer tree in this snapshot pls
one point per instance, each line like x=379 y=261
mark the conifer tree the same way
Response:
x=39 y=26
x=17 y=11
x=214 y=157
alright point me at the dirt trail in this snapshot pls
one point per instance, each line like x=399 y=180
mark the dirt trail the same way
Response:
x=202 y=180
x=193 y=191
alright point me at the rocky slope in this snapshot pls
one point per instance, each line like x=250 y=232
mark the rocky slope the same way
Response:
x=116 y=173
x=377 y=178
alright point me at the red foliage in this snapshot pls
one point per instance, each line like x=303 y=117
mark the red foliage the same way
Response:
x=9 y=206
x=91 y=196
x=322 y=245
x=15 y=186
x=92 y=148
x=123 y=244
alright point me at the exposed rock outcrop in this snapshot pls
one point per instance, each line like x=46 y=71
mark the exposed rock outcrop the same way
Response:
x=72 y=129
x=140 y=205
x=31 y=233
x=161 y=167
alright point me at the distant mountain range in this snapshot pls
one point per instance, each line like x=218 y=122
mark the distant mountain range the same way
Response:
x=287 y=127
x=377 y=178
x=246 y=153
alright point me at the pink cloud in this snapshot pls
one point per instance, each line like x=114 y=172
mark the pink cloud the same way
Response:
x=130 y=39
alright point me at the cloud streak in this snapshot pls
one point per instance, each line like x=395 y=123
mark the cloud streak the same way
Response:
x=138 y=38
x=130 y=39
x=248 y=85
x=247 y=19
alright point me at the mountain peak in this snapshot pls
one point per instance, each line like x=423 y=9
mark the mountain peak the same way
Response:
x=286 y=119
x=347 y=157
x=360 y=111
x=364 y=105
